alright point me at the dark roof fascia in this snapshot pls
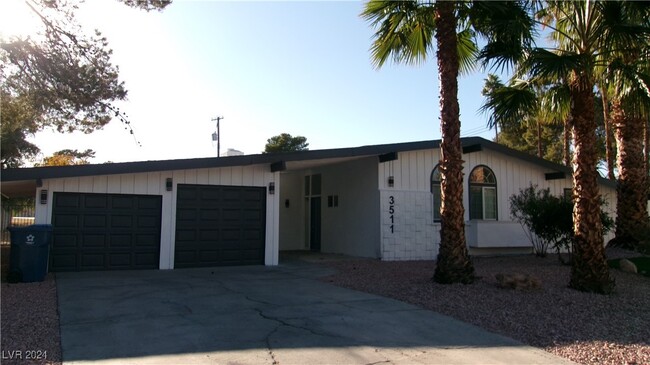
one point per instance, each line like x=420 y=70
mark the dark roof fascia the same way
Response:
x=531 y=158
x=50 y=172
x=19 y=174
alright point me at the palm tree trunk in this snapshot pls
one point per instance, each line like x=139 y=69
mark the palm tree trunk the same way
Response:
x=540 y=154
x=609 y=148
x=631 y=191
x=453 y=263
x=589 y=271
x=567 y=142
x=646 y=131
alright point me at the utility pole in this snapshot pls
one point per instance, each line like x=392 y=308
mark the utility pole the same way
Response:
x=217 y=135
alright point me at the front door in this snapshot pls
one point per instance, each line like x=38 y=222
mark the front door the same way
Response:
x=314 y=224
x=313 y=212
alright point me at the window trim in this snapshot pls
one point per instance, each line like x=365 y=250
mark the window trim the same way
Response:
x=483 y=186
x=438 y=184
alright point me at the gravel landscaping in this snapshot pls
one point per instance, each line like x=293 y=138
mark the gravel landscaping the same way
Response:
x=30 y=323
x=585 y=328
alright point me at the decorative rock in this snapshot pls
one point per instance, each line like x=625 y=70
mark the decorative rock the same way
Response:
x=627 y=266
x=517 y=281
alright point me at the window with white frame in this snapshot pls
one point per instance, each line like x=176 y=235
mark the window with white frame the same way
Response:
x=435 y=191
x=482 y=194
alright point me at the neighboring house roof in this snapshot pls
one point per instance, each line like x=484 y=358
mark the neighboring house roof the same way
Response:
x=278 y=161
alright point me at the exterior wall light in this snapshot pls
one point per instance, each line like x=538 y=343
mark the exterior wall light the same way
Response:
x=391 y=181
x=271 y=188
x=169 y=184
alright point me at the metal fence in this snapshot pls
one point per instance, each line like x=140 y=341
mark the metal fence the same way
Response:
x=15 y=214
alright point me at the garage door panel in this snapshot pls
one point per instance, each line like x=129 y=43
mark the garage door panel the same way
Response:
x=94 y=240
x=210 y=215
x=67 y=201
x=186 y=194
x=253 y=234
x=65 y=240
x=186 y=214
x=96 y=201
x=147 y=259
x=147 y=240
x=209 y=235
x=229 y=236
x=223 y=215
x=93 y=260
x=150 y=203
x=186 y=235
x=121 y=221
x=65 y=261
x=120 y=241
x=66 y=221
x=120 y=259
x=148 y=221
x=94 y=221
x=122 y=202
x=105 y=231
x=208 y=194
x=184 y=258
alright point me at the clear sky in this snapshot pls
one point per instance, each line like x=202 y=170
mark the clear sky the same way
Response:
x=268 y=68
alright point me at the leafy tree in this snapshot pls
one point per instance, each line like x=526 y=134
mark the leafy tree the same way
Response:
x=407 y=32
x=547 y=219
x=18 y=121
x=68 y=157
x=60 y=78
x=286 y=143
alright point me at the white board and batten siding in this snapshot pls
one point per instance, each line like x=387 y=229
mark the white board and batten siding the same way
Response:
x=153 y=183
x=407 y=228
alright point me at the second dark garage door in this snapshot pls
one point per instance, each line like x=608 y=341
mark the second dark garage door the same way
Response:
x=219 y=226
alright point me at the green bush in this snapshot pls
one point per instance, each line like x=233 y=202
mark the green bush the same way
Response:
x=548 y=219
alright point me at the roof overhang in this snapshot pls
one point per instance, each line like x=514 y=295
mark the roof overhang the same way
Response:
x=19 y=189
x=22 y=178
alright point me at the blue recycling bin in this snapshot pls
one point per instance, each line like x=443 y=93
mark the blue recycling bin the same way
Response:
x=30 y=250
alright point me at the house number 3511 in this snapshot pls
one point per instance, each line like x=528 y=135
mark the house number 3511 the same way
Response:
x=391 y=211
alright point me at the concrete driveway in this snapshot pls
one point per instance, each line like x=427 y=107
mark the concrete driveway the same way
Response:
x=260 y=315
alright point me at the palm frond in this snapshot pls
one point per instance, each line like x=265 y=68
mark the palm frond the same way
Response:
x=404 y=33
x=467 y=51
x=508 y=29
x=546 y=65
x=510 y=105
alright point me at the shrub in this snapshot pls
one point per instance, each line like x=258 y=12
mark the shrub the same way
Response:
x=548 y=219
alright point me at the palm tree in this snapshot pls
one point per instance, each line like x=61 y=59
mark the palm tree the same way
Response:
x=406 y=30
x=607 y=123
x=586 y=34
x=630 y=109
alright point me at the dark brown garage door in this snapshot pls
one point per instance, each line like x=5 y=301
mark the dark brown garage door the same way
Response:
x=105 y=232
x=219 y=226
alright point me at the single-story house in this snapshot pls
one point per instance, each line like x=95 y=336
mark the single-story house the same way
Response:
x=379 y=201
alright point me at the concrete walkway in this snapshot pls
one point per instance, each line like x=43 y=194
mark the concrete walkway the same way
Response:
x=260 y=315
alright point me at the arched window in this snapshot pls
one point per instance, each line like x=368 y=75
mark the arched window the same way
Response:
x=482 y=194
x=435 y=190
